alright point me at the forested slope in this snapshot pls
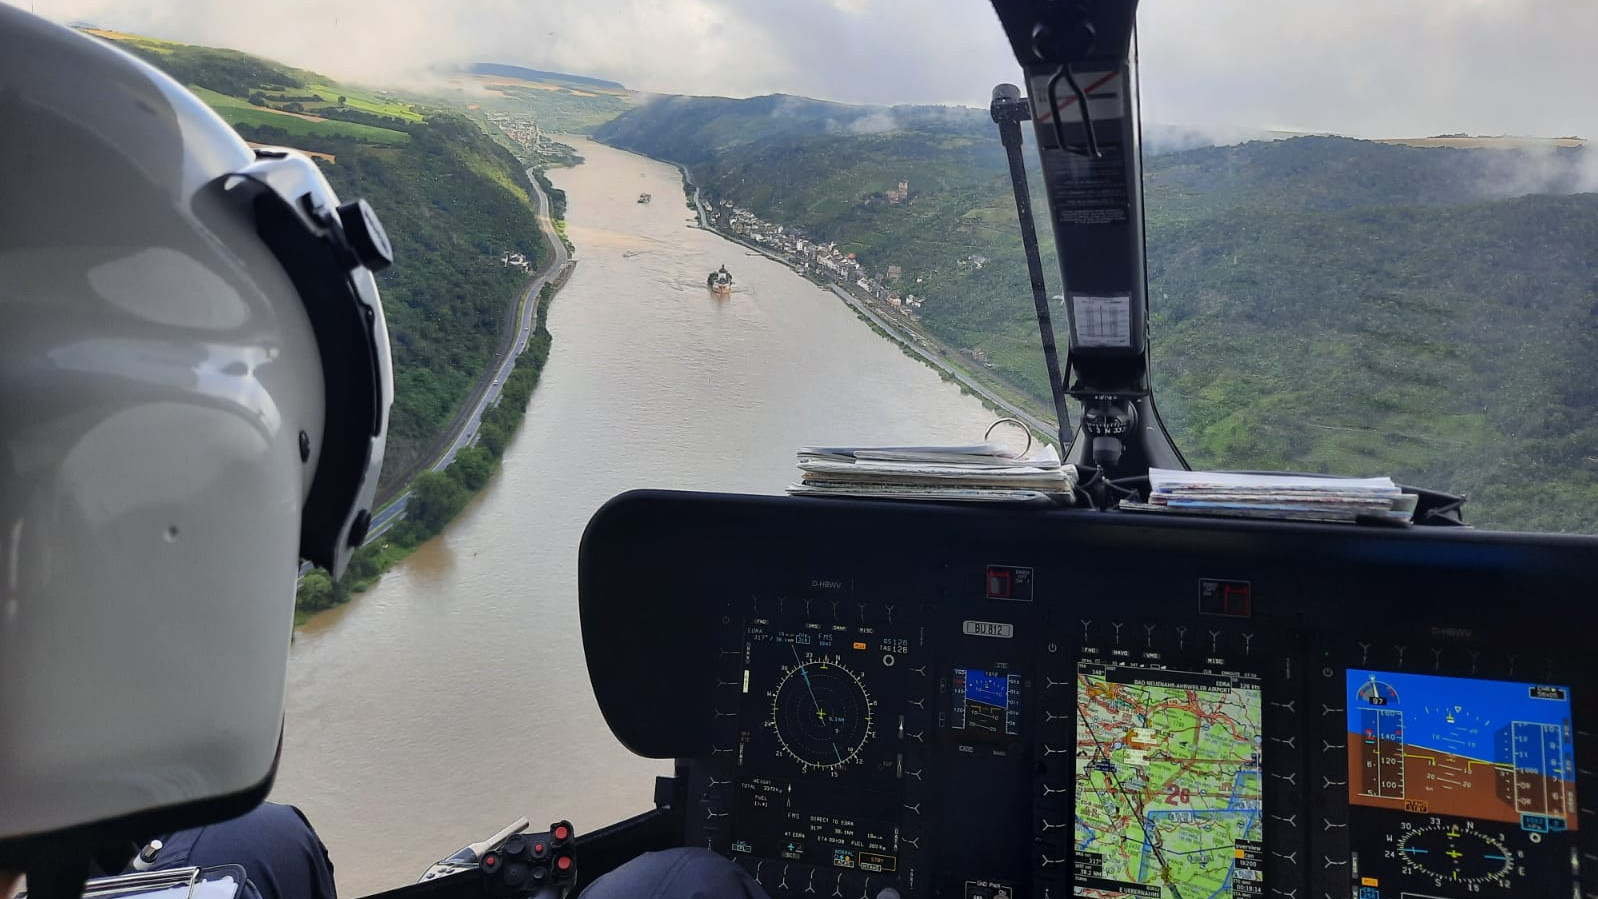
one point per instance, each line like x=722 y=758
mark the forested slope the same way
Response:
x=1320 y=304
x=452 y=200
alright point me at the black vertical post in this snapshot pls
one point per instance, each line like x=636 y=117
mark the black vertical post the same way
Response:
x=1009 y=109
x=1081 y=69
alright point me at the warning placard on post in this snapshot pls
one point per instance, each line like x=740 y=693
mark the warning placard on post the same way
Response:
x=1101 y=321
x=1103 y=90
x=1087 y=191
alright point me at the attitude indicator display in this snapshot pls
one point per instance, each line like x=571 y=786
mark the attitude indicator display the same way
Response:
x=1460 y=783
x=1489 y=750
x=987 y=704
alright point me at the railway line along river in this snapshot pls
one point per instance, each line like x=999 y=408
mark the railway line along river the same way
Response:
x=453 y=696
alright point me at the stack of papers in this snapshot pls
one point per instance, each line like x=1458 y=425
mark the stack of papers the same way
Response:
x=1291 y=497
x=984 y=472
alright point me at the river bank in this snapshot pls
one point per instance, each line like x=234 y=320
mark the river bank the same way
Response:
x=694 y=199
x=467 y=453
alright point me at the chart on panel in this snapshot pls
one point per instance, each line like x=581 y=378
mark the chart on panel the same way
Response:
x=1168 y=792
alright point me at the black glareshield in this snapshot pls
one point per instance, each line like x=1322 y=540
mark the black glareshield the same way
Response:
x=330 y=252
x=1081 y=83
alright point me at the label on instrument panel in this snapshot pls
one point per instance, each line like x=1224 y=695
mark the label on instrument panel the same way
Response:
x=988 y=889
x=987 y=629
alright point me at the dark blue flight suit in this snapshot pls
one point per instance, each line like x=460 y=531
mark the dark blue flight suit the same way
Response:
x=676 y=874
x=274 y=844
x=285 y=859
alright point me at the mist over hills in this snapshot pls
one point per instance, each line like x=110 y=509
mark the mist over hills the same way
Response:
x=527 y=74
x=1318 y=303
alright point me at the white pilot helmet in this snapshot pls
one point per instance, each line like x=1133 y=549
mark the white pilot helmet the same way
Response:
x=194 y=394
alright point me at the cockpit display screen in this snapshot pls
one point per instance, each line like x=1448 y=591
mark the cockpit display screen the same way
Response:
x=1489 y=750
x=821 y=750
x=1168 y=783
x=987 y=704
x=1460 y=783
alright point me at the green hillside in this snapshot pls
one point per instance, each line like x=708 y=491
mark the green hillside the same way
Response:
x=1318 y=304
x=557 y=109
x=559 y=103
x=451 y=199
x=239 y=111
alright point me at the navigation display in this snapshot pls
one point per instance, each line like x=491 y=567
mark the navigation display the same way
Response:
x=820 y=755
x=1457 y=782
x=818 y=826
x=826 y=703
x=987 y=704
x=1168 y=783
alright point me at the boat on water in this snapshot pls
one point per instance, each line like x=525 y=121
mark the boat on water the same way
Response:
x=644 y=198
x=719 y=281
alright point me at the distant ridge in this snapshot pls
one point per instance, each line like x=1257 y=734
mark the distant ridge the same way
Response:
x=526 y=74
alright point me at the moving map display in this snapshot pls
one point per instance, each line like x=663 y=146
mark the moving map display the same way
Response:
x=1459 y=783
x=1168 y=783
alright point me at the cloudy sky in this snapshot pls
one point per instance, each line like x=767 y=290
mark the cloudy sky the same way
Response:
x=1363 y=67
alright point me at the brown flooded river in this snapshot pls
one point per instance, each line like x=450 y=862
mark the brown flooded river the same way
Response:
x=453 y=697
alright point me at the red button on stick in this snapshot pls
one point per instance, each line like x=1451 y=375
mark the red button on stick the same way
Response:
x=564 y=863
x=562 y=832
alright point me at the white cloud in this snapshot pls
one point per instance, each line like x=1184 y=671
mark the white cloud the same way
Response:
x=1373 y=67
x=877 y=122
x=1366 y=67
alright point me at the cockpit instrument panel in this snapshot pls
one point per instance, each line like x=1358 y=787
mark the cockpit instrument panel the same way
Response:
x=1461 y=783
x=985 y=705
x=878 y=700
